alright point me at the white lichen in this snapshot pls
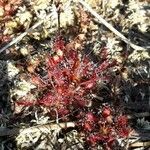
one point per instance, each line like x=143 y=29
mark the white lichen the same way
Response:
x=22 y=88
x=12 y=69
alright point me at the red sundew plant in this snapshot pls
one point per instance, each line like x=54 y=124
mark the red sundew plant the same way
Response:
x=71 y=78
x=99 y=129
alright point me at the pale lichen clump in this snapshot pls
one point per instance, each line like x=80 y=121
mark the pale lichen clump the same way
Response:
x=138 y=56
x=22 y=88
x=24 y=17
x=139 y=14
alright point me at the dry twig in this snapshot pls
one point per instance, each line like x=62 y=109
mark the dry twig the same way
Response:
x=139 y=115
x=140 y=144
x=46 y=128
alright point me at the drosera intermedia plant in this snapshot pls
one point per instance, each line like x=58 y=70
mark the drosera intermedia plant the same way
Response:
x=103 y=127
x=70 y=79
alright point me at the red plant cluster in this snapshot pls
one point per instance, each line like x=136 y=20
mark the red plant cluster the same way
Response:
x=71 y=76
x=104 y=128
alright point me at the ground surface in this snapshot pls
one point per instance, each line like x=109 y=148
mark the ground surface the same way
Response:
x=129 y=86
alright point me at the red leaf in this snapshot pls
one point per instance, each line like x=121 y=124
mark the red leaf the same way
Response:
x=58 y=44
x=24 y=103
x=63 y=111
x=105 y=65
x=122 y=121
x=124 y=132
x=106 y=112
x=90 y=117
x=93 y=139
x=37 y=81
x=88 y=126
x=48 y=100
